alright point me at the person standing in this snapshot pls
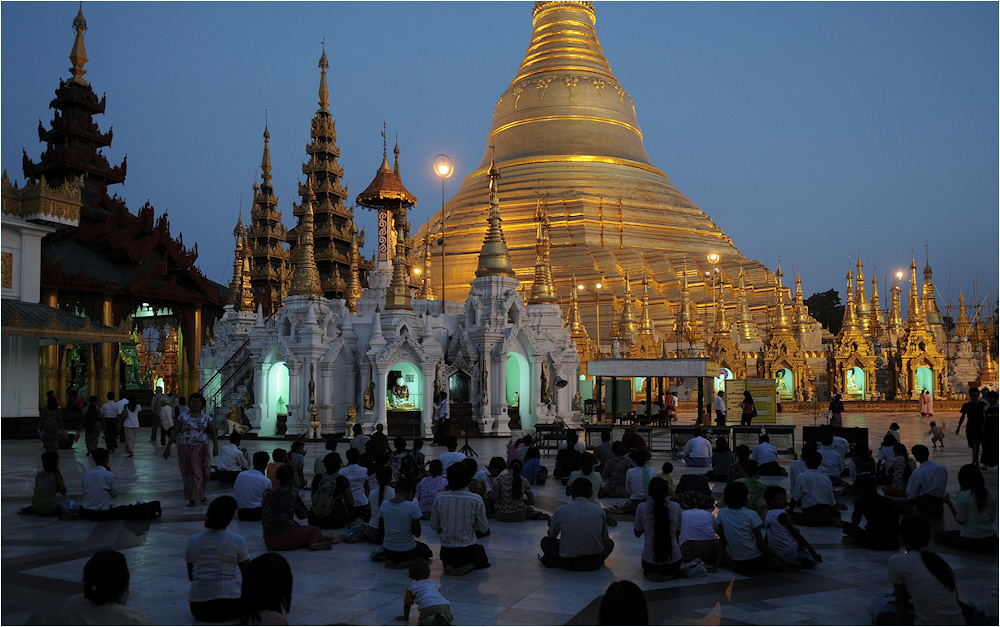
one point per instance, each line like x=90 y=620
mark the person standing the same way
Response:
x=192 y=432
x=836 y=412
x=975 y=412
x=93 y=425
x=165 y=418
x=720 y=410
x=444 y=419
x=159 y=399
x=131 y=424
x=110 y=411
x=926 y=404
x=50 y=424
x=748 y=409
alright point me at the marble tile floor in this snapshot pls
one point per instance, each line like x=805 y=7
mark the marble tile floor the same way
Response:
x=43 y=558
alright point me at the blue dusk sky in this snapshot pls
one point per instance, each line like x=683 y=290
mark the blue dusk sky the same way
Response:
x=805 y=130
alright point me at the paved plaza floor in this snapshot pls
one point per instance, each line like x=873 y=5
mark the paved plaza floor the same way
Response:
x=43 y=558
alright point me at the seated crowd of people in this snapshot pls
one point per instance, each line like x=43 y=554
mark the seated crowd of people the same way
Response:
x=381 y=496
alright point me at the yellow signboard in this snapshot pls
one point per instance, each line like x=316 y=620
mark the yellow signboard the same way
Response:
x=762 y=391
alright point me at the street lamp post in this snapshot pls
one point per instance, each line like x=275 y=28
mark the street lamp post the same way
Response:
x=597 y=308
x=444 y=168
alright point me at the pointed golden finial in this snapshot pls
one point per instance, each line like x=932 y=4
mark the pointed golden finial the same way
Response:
x=850 y=312
x=914 y=313
x=577 y=330
x=354 y=280
x=305 y=275
x=324 y=93
x=646 y=324
x=236 y=285
x=781 y=318
x=78 y=55
x=543 y=290
x=246 y=290
x=397 y=296
x=745 y=325
x=427 y=286
x=876 y=324
x=962 y=328
x=395 y=167
x=627 y=324
x=265 y=160
x=494 y=257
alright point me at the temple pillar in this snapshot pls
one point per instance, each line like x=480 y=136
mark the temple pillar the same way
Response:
x=351 y=398
x=50 y=355
x=195 y=352
x=427 y=411
x=91 y=374
x=63 y=351
x=365 y=381
x=324 y=397
x=296 y=420
x=534 y=389
x=380 y=396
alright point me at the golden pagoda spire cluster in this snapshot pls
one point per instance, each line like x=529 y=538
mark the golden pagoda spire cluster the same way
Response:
x=271 y=268
x=494 y=258
x=240 y=290
x=543 y=291
x=305 y=275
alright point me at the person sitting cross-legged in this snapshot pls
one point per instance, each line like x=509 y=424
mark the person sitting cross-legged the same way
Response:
x=660 y=520
x=249 y=488
x=397 y=522
x=782 y=536
x=766 y=457
x=881 y=531
x=927 y=486
x=698 y=450
x=578 y=533
x=233 y=459
x=740 y=531
x=459 y=517
x=813 y=492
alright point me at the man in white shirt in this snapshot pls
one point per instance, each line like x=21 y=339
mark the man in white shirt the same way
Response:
x=698 y=451
x=99 y=486
x=766 y=457
x=927 y=486
x=459 y=518
x=233 y=459
x=452 y=456
x=249 y=487
x=110 y=411
x=813 y=492
x=358 y=476
x=720 y=410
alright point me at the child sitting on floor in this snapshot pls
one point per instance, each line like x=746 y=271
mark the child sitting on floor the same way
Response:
x=782 y=536
x=434 y=608
x=740 y=531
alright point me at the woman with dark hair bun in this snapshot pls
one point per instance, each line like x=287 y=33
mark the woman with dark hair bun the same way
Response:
x=924 y=577
x=105 y=587
x=267 y=591
x=212 y=560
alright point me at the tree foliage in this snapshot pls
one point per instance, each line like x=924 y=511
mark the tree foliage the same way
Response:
x=825 y=307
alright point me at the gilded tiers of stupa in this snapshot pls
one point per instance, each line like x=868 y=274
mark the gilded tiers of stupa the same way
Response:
x=567 y=131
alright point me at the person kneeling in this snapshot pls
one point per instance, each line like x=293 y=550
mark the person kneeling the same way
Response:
x=397 y=523
x=584 y=543
x=459 y=517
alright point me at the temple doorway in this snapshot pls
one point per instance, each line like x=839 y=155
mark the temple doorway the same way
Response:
x=923 y=380
x=855 y=384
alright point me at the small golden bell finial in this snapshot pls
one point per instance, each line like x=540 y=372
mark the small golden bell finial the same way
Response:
x=78 y=55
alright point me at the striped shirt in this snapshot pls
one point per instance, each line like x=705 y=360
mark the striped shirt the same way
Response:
x=215 y=555
x=457 y=515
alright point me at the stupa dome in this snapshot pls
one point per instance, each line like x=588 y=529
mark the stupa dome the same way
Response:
x=566 y=131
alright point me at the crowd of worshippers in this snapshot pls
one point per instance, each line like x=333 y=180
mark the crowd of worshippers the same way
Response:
x=374 y=493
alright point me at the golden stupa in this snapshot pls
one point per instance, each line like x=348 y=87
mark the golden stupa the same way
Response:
x=566 y=132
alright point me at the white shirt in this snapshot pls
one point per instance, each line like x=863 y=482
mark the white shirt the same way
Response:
x=248 y=490
x=698 y=447
x=132 y=417
x=166 y=416
x=110 y=409
x=933 y=604
x=764 y=453
x=813 y=488
x=357 y=475
x=698 y=524
x=720 y=405
x=449 y=458
x=232 y=458
x=457 y=515
x=99 y=485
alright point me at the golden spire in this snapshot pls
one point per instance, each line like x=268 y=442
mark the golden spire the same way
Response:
x=801 y=311
x=628 y=324
x=575 y=322
x=850 y=324
x=494 y=258
x=543 y=291
x=427 y=286
x=861 y=306
x=354 y=280
x=988 y=372
x=962 y=328
x=236 y=285
x=305 y=275
x=398 y=294
x=686 y=324
x=395 y=167
x=745 y=326
x=914 y=312
x=876 y=323
x=894 y=325
x=78 y=55
x=781 y=318
x=265 y=160
x=646 y=325
x=324 y=93
x=246 y=290
x=932 y=315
